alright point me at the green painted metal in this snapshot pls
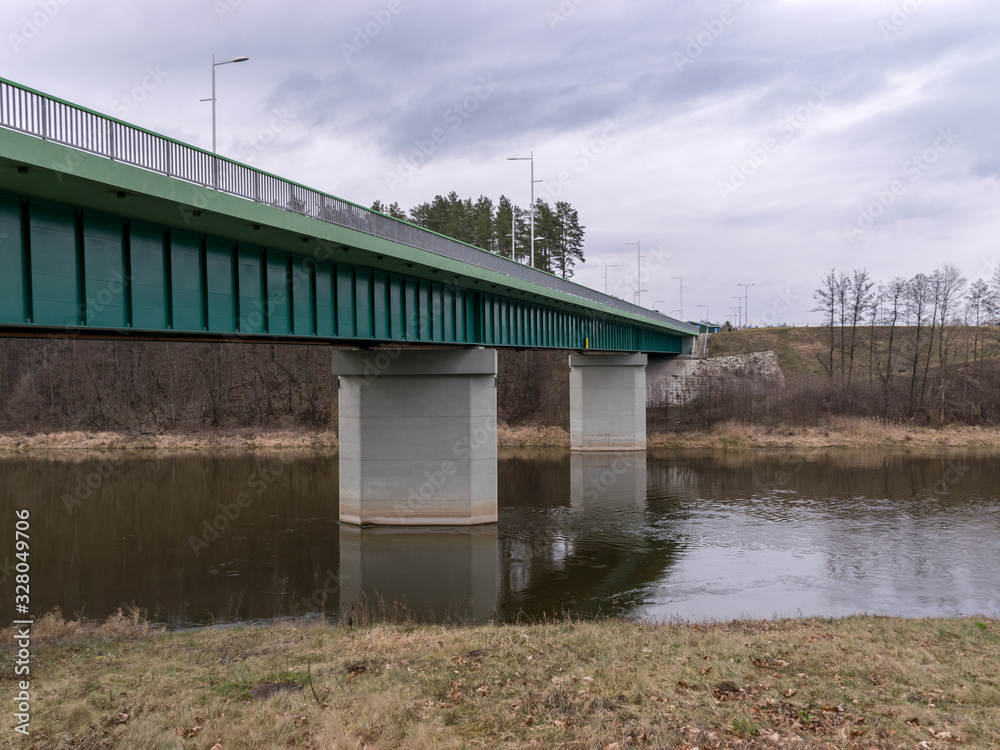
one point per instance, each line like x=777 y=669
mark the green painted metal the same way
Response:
x=70 y=268
x=40 y=168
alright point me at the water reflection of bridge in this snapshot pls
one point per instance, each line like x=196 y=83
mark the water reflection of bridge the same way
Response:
x=575 y=533
x=595 y=554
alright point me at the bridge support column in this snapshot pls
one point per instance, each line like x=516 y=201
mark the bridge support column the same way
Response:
x=418 y=436
x=607 y=402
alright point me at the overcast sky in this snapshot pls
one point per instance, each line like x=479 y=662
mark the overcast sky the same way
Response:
x=740 y=141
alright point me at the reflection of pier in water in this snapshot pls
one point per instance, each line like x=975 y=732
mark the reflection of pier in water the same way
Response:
x=598 y=553
x=694 y=534
x=447 y=573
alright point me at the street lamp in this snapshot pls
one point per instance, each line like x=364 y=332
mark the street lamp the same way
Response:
x=707 y=319
x=638 y=268
x=606 y=267
x=214 y=66
x=681 y=279
x=530 y=158
x=740 y=301
x=746 y=297
x=638 y=295
x=658 y=302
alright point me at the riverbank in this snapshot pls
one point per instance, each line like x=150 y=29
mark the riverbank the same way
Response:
x=838 y=432
x=858 y=682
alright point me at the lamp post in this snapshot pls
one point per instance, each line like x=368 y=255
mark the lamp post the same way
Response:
x=638 y=269
x=707 y=319
x=681 y=279
x=638 y=295
x=606 y=267
x=740 y=301
x=657 y=302
x=530 y=158
x=747 y=298
x=214 y=66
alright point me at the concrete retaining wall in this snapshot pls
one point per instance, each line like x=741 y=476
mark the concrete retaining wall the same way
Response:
x=674 y=381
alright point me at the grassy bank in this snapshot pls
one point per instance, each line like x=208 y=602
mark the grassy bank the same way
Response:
x=860 y=682
x=836 y=432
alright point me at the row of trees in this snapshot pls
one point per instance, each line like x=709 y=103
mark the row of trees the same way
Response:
x=503 y=228
x=913 y=345
x=136 y=386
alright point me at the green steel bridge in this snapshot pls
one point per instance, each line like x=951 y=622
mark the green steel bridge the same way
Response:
x=108 y=230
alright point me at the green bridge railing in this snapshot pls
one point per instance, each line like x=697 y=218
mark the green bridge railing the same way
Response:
x=32 y=112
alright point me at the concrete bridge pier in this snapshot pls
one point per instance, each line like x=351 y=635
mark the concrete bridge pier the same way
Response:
x=607 y=402
x=418 y=436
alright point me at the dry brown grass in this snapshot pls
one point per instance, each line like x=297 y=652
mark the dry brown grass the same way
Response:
x=836 y=432
x=532 y=436
x=180 y=442
x=52 y=628
x=861 y=682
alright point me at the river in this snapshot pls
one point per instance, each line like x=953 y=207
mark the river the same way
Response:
x=658 y=536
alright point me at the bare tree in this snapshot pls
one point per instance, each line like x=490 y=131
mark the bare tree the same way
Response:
x=858 y=297
x=918 y=294
x=828 y=296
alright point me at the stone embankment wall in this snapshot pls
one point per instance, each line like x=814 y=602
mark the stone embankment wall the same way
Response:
x=674 y=381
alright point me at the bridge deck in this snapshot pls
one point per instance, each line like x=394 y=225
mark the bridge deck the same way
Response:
x=108 y=229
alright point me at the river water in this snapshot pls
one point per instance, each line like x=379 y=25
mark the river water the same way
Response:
x=665 y=535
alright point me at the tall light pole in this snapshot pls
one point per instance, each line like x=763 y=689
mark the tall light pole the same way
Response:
x=707 y=319
x=747 y=298
x=606 y=267
x=638 y=270
x=530 y=158
x=638 y=295
x=656 y=303
x=740 y=301
x=214 y=66
x=681 y=279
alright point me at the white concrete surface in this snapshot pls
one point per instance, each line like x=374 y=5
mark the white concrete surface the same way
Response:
x=607 y=402
x=418 y=436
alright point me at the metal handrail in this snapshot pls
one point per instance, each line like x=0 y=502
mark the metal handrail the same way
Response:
x=47 y=117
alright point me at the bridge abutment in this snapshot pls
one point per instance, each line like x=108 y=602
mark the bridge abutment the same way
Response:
x=418 y=436
x=607 y=402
